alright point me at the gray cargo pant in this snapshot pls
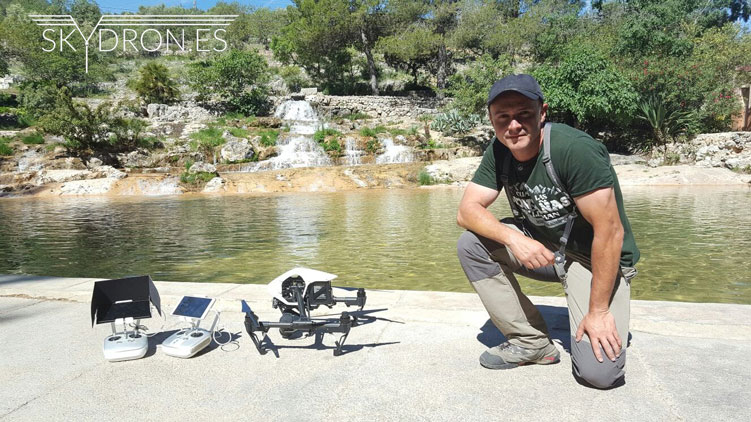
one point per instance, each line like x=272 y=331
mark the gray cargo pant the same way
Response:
x=490 y=268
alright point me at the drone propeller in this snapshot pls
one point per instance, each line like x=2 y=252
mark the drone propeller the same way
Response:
x=362 y=314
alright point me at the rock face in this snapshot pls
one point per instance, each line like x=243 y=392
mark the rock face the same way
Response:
x=728 y=149
x=185 y=112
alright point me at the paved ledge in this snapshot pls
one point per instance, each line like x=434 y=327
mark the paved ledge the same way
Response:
x=417 y=361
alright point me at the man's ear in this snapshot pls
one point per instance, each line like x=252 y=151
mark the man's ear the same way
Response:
x=543 y=114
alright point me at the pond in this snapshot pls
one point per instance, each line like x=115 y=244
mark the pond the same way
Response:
x=695 y=241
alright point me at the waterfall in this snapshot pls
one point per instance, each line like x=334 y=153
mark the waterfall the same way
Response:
x=351 y=152
x=296 y=148
x=394 y=153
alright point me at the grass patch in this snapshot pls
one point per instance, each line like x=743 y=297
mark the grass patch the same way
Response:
x=33 y=139
x=196 y=178
x=372 y=132
x=742 y=170
x=236 y=117
x=396 y=131
x=268 y=137
x=206 y=138
x=5 y=149
x=321 y=134
x=239 y=132
x=356 y=116
x=425 y=179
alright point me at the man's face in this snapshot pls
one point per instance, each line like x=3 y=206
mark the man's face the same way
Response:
x=517 y=121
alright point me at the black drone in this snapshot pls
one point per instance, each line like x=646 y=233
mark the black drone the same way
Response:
x=296 y=293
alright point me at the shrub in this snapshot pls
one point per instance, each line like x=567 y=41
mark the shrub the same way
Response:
x=87 y=131
x=238 y=77
x=372 y=146
x=293 y=77
x=155 y=85
x=666 y=122
x=38 y=98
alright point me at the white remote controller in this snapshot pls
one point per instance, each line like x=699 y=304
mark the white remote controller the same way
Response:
x=186 y=342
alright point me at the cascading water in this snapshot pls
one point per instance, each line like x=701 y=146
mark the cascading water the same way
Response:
x=394 y=153
x=352 y=153
x=296 y=148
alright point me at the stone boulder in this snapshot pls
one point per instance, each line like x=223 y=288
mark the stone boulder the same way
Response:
x=216 y=184
x=236 y=149
x=201 y=167
x=156 y=110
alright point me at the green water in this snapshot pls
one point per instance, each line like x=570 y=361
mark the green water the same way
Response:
x=695 y=242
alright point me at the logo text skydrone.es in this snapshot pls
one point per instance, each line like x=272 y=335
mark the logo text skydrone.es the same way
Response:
x=57 y=35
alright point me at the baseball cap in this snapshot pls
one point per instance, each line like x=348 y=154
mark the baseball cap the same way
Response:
x=523 y=84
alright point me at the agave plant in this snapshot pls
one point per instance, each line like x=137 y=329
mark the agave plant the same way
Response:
x=666 y=122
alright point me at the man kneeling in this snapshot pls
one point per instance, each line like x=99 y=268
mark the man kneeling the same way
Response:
x=569 y=225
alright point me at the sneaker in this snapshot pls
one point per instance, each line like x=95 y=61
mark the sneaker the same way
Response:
x=507 y=356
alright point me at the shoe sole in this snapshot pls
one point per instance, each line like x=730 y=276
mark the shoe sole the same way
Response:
x=549 y=360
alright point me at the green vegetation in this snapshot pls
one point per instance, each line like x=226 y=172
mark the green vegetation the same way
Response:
x=237 y=77
x=372 y=145
x=206 y=140
x=89 y=131
x=454 y=123
x=321 y=134
x=238 y=132
x=5 y=149
x=268 y=137
x=198 y=178
x=155 y=85
x=372 y=132
x=425 y=179
x=356 y=116
x=33 y=139
x=600 y=63
x=328 y=139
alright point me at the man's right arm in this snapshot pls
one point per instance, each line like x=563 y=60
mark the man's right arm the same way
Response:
x=473 y=215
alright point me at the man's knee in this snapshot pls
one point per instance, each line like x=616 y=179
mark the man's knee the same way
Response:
x=593 y=373
x=475 y=258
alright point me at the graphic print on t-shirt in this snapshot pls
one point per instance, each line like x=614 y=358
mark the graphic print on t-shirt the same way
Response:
x=542 y=205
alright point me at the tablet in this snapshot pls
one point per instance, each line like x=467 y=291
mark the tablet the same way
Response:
x=193 y=307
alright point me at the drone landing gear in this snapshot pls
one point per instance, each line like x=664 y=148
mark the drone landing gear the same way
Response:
x=291 y=324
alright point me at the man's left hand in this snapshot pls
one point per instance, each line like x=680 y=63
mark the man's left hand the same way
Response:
x=600 y=327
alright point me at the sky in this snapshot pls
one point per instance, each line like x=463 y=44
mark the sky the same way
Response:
x=118 y=6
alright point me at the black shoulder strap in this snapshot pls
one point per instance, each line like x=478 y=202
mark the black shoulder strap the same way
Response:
x=502 y=176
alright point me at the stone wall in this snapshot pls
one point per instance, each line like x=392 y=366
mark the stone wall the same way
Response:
x=727 y=149
x=381 y=106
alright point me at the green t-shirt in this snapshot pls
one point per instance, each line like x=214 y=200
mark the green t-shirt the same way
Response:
x=582 y=165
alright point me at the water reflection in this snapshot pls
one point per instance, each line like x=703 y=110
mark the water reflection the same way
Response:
x=695 y=242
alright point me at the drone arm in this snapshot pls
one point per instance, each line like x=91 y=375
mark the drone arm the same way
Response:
x=358 y=301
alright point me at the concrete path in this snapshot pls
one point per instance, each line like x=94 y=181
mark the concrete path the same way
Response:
x=417 y=361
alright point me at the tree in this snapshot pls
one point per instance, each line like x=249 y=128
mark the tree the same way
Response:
x=238 y=77
x=470 y=87
x=317 y=38
x=586 y=89
x=155 y=85
x=369 y=20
